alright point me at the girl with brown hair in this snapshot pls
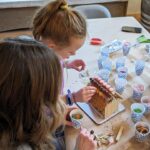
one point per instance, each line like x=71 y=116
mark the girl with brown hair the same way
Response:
x=64 y=30
x=30 y=107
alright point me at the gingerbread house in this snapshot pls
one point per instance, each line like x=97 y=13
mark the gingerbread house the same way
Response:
x=104 y=101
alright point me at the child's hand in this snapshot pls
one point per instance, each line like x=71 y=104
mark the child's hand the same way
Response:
x=85 y=141
x=77 y=64
x=84 y=94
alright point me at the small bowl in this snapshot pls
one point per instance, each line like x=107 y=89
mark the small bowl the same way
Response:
x=142 y=131
x=137 y=111
x=76 y=116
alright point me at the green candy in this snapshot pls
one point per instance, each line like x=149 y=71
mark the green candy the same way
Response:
x=143 y=39
x=137 y=110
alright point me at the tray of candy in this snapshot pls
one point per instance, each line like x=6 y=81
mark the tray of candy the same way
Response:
x=112 y=46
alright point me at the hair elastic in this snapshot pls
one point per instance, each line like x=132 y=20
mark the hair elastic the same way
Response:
x=64 y=7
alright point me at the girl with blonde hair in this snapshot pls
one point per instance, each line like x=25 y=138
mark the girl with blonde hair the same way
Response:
x=64 y=30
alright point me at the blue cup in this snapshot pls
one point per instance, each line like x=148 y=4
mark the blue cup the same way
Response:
x=100 y=60
x=142 y=131
x=105 y=52
x=122 y=72
x=120 y=84
x=147 y=48
x=126 y=48
x=120 y=62
x=138 y=90
x=139 y=67
x=107 y=64
x=137 y=112
x=104 y=74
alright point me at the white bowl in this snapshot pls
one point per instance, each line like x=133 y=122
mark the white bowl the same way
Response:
x=76 y=116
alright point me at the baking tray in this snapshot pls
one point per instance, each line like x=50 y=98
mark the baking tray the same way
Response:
x=95 y=116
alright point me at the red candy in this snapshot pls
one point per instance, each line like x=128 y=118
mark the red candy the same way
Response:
x=96 y=41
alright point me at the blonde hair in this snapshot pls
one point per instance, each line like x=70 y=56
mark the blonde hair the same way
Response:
x=58 y=22
x=29 y=85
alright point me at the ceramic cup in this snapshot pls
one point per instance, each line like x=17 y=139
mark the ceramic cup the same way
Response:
x=122 y=72
x=145 y=100
x=120 y=62
x=139 y=67
x=126 y=48
x=104 y=74
x=147 y=48
x=76 y=116
x=107 y=64
x=137 y=111
x=100 y=60
x=142 y=131
x=138 y=90
x=105 y=52
x=120 y=84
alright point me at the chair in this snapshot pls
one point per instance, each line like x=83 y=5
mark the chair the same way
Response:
x=93 y=11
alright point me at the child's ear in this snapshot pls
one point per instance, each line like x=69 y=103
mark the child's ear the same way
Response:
x=51 y=45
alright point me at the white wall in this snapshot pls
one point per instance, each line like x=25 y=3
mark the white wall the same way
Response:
x=134 y=7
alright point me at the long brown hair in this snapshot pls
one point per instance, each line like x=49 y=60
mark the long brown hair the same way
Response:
x=58 y=22
x=30 y=82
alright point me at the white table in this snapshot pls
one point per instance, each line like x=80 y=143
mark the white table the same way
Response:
x=108 y=30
